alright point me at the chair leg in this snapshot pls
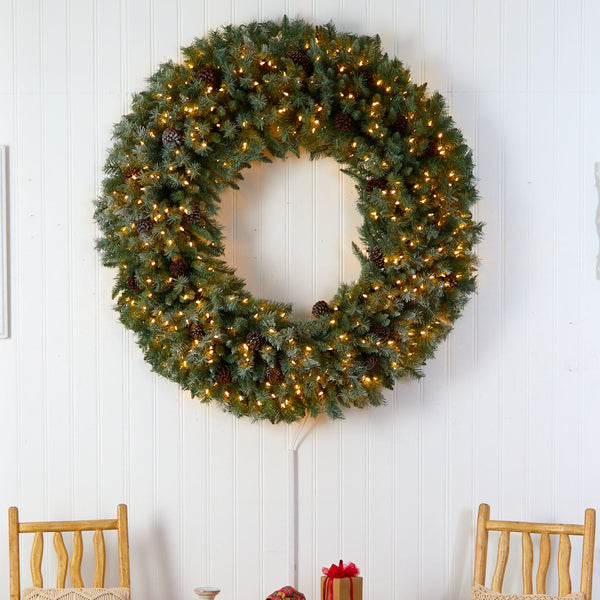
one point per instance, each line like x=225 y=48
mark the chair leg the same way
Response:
x=481 y=543
x=13 y=553
x=587 y=565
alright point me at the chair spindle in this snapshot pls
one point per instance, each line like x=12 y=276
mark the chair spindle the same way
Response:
x=100 y=559
x=545 y=549
x=63 y=560
x=76 y=579
x=527 y=546
x=503 y=547
x=37 y=549
x=564 y=558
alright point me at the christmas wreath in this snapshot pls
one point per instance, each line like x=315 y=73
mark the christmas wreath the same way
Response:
x=249 y=93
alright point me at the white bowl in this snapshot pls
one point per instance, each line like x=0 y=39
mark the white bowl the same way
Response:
x=206 y=593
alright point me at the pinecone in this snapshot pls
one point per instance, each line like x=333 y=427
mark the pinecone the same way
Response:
x=376 y=182
x=209 y=76
x=376 y=257
x=196 y=331
x=450 y=280
x=371 y=362
x=400 y=125
x=144 y=226
x=365 y=76
x=274 y=374
x=299 y=58
x=171 y=137
x=132 y=283
x=195 y=216
x=255 y=340
x=320 y=308
x=343 y=122
x=130 y=172
x=179 y=267
x=224 y=374
x=381 y=331
x=431 y=150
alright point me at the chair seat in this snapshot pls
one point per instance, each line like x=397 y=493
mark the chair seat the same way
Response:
x=479 y=592
x=75 y=594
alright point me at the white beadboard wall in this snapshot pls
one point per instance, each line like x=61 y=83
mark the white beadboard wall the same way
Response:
x=509 y=411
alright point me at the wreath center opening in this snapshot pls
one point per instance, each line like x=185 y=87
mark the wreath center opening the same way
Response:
x=289 y=230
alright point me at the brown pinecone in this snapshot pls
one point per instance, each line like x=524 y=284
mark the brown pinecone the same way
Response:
x=274 y=374
x=376 y=182
x=343 y=122
x=130 y=172
x=209 y=76
x=144 y=226
x=179 y=267
x=224 y=374
x=194 y=216
x=450 y=280
x=381 y=331
x=365 y=76
x=431 y=150
x=196 y=331
x=320 y=308
x=371 y=362
x=400 y=125
x=171 y=137
x=255 y=340
x=132 y=283
x=299 y=58
x=376 y=257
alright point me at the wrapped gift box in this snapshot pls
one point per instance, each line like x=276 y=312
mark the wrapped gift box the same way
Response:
x=342 y=588
x=286 y=592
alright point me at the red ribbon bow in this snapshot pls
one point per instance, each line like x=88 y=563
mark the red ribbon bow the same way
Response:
x=338 y=572
x=341 y=570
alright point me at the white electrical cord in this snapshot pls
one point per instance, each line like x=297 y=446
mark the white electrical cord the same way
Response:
x=302 y=430
x=597 y=171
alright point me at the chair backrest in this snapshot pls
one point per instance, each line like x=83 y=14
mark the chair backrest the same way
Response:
x=587 y=530
x=15 y=528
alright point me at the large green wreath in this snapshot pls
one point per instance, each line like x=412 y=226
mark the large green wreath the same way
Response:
x=251 y=92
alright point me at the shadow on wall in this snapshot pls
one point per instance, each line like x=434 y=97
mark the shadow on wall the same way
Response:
x=597 y=171
x=462 y=569
x=155 y=567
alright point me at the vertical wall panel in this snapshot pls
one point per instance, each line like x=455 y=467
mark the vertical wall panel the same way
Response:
x=507 y=412
x=463 y=375
x=108 y=353
x=541 y=202
x=9 y=436
x=82 y=104
x=57 y=252
x=31 y=395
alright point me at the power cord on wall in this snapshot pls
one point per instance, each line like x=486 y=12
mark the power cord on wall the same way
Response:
x=302 y=430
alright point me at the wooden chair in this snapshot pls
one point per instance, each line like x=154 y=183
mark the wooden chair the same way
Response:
x=58 y=527
x=587 y=530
